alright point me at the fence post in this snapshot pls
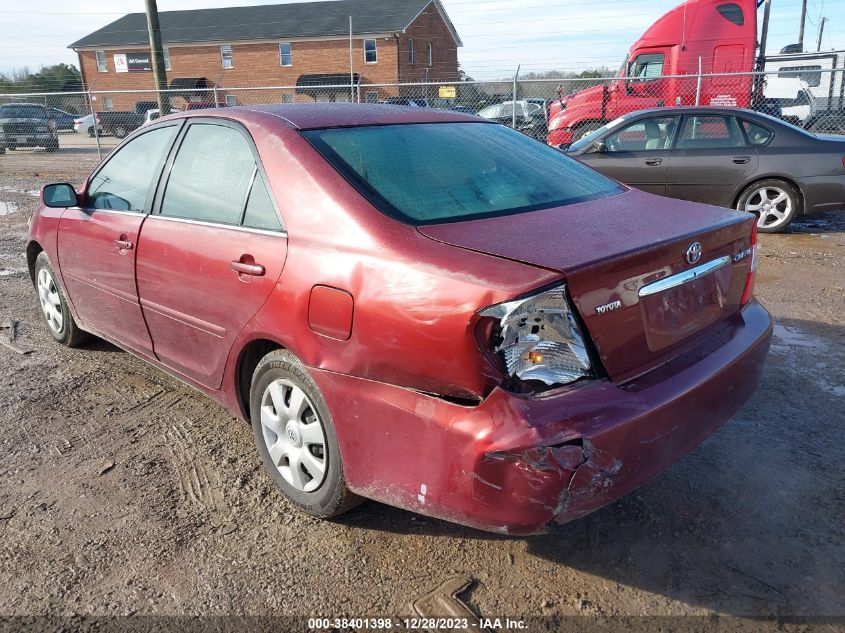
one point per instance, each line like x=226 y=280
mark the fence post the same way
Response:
x=96 y=127
x=515 y=77
x=698 y=85
x=215 y=96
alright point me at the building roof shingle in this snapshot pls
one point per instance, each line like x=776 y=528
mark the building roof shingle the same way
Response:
x=265 y=22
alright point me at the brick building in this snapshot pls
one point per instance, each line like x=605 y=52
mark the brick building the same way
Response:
x=303 y=47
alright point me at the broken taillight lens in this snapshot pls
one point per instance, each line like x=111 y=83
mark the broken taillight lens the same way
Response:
x=748 y=293
x=538 y=338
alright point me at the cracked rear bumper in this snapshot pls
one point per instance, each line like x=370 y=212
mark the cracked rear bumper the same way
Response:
x=513 y=464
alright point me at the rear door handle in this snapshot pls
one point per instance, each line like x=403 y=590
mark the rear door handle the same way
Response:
x=742 y=160
x=653 y=162
x=256 y=270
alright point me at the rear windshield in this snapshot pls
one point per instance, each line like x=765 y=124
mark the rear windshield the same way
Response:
x=430 y=173
x=22 y=112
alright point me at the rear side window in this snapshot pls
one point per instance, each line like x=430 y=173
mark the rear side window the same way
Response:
x=124 y=181
x=732 y=13
x=260 y=212
x=757 y=134
x=710 y=132
x=210 y=176
x=441 y=172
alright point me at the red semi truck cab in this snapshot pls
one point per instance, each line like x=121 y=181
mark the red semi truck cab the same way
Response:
x=662 y=68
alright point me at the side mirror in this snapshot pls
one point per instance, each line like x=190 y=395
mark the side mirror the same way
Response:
x=599 y=147
x=59 y=196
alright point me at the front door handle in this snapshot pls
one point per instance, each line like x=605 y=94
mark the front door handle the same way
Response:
x=124 y=244
x=243 y=268
x=742 y=160
x=653 y=162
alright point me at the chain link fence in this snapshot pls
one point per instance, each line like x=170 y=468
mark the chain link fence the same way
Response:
x=86 y=126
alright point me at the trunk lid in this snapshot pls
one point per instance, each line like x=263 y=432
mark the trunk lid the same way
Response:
x=611 y=251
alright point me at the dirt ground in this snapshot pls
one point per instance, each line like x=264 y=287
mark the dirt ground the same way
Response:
x=123 y=491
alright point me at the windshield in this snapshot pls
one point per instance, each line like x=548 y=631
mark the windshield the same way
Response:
x=587 y=140
x=22 y=112
x=428 y=173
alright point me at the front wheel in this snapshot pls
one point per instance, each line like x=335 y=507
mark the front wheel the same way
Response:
x=296 y=438
x=120 y=131
x=774 y=202
x=59 y=320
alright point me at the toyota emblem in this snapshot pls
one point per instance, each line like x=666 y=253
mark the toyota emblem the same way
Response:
x=694 y=252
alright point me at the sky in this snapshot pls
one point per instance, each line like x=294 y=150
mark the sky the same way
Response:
x=498 y=35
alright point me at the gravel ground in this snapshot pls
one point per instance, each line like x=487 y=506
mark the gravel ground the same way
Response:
x=124 y=492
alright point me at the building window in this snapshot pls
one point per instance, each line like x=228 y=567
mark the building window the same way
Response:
x=430 y=55
x=226 y=56
x=372 y=97
x=108 y=104
x=166 y=58
x=370 y=54
x=410 y=51
x=285 y=54
x=231 y=101
x=101 y=62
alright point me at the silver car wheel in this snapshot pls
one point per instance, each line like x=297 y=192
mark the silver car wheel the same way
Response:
x=771 y=205
x=51 y=303
x=294 y=435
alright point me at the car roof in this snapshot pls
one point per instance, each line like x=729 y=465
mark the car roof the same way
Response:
x=669 y=110
x=307 y=116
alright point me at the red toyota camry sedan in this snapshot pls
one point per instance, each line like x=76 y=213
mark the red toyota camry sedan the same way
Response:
x=419 y=307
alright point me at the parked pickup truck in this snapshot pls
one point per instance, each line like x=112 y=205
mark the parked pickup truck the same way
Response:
x=120 y=124
x=27 y=125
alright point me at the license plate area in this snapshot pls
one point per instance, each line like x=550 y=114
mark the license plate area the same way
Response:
x=674 y=311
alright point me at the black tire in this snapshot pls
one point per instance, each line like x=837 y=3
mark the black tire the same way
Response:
x=12 y=148
x=91 y=131
x=69 y=334
x=332 y=497
x=120 y=132
x=53 y=146
x=753 y=196
x=584 y=129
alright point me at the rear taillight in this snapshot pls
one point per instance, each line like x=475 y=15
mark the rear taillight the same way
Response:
x=748 y=293
x=538 y=339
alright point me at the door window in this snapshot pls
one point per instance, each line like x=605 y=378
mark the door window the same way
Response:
x=210 y=176
x=647 y=134
x=124 y=181
x=710 y=132
x=646 y=66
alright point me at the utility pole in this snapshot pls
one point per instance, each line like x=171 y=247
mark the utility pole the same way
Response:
x=801 y=30
x=759 y=78
x=157 y=58
x=821 y=32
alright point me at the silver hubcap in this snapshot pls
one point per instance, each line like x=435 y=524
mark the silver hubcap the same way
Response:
x=771 y=205
x=293 y=435
x=51 y=305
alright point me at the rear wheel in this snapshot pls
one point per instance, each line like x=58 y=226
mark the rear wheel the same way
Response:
x=774 y=202
x=91 y=131
x=120 y=131
x=59 y=320
x=295 y=436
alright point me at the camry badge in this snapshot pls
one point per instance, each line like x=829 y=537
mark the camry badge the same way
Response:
x=694 y=252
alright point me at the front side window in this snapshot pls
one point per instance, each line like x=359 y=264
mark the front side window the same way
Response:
x=646 y=66
x=101 y=61
x=285 y=54
x=710 y=132
x=210 y=176
x=757 y=134
x=442 y=172
x=644 y=135
x=226 y=56
x=124 y=181
x=370 y=54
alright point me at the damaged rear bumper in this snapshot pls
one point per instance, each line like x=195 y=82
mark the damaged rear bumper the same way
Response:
x=514 y=464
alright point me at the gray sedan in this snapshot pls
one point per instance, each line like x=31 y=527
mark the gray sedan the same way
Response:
x=727 y=157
